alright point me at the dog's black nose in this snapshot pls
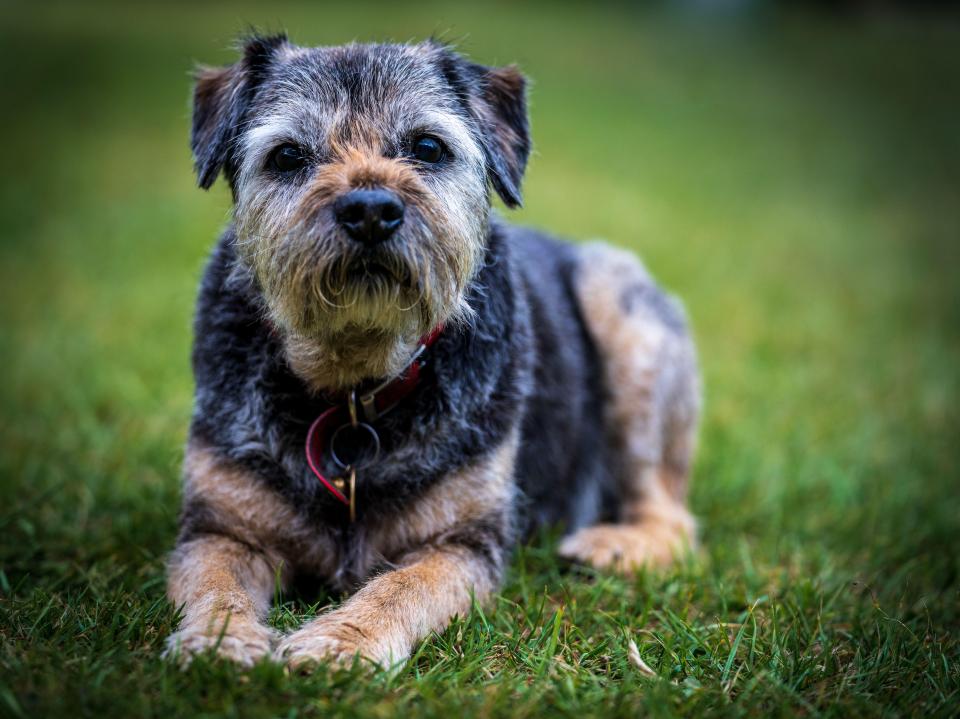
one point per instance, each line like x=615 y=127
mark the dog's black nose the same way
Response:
x=369 y=216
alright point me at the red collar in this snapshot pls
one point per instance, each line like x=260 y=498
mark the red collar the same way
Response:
x=361 y=412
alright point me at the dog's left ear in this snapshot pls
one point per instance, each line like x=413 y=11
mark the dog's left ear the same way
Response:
x=496 y=98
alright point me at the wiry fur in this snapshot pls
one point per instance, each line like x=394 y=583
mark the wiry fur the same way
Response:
x=562 y=390
x=304 y=267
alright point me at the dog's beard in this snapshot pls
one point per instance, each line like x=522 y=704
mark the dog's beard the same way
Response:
x=326 y=289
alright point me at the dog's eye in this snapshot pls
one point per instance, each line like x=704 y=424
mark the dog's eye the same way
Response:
x=288 y=158
x=428 y=149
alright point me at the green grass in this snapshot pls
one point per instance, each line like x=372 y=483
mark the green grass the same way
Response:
x=795 y=180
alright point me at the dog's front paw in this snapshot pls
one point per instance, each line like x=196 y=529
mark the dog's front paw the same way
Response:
x=330 y=640
x=625 y=548
x=244 y=643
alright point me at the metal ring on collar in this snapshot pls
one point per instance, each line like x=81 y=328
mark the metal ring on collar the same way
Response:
x=346 y=465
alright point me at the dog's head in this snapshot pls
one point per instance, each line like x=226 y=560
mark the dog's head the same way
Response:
x=360 y=177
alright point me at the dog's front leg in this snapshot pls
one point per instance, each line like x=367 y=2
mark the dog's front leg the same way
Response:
x=224 y=587
x=385 y=620
x=224 y=568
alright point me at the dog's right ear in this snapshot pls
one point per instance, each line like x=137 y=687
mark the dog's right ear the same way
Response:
x=221 y=98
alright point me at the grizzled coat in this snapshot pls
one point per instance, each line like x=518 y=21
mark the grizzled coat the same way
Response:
x=562 y=390
x=526 y=360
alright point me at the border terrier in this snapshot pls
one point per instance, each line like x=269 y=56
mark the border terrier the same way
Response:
x=393 y=386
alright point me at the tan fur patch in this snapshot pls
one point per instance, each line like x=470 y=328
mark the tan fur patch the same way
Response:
x=653 y=405
x=465 y=496
x=254 y=513
x=355 y=168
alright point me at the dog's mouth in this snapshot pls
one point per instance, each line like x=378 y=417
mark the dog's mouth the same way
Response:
x=375 y=271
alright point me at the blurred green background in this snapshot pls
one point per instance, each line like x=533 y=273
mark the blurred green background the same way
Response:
x=793 y=176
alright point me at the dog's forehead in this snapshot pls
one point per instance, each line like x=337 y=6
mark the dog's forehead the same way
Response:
x=373 y=80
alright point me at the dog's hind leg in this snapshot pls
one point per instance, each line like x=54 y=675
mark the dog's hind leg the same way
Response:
x=652 y=407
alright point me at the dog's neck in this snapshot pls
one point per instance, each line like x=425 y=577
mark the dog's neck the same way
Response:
x=330 y=362
x=347 y=359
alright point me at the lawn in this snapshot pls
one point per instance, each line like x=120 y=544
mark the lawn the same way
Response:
x=794 y=178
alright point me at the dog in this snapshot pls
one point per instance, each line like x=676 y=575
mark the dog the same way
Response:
x=393 y=385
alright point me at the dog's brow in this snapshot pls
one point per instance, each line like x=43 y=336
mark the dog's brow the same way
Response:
x=268 y=132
